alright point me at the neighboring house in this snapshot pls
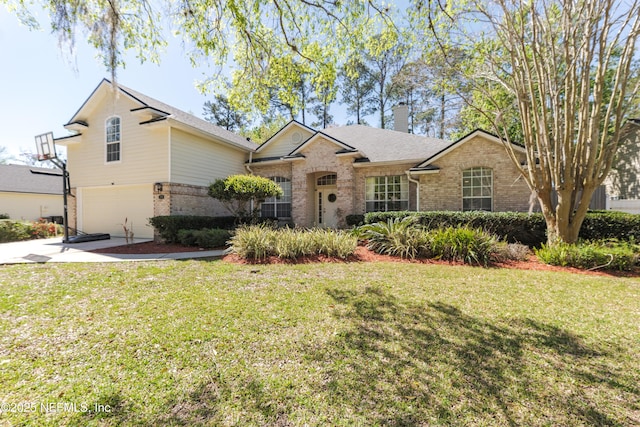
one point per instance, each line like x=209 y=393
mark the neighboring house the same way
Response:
x=623 y=182
x=29 y=196
x=329 y=174
x=132 y=157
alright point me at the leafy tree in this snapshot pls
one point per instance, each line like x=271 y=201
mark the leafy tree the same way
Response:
x=263 y=39
x=568 y=66
x=266 y=129
x=221 y=113
x=356 y=89
x=411 y=86
x=500 y=102
x=384 y=56
x=242 y=194
x=320 y=109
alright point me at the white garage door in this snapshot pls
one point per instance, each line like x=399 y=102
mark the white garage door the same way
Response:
x=104 y=210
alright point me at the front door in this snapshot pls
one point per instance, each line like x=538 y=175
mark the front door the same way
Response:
x=327 y=207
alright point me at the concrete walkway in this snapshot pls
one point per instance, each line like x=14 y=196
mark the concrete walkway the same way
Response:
x=53 y=250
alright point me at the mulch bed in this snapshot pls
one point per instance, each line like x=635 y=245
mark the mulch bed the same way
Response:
x=362 y=254
x=148 y=248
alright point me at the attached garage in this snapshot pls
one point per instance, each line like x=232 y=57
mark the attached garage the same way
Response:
x=104 y=210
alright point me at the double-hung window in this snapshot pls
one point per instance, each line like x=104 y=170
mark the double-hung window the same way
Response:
x=477 y=189
x=113 y=139
x=278 y=207
x=387 y=193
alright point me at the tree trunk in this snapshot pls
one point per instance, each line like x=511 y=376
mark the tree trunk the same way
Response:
x=564 y=222
x=442 y=113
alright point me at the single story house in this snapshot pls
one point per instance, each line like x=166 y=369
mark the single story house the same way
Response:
x=329 y=174
x=29 y=193
x=131 y=157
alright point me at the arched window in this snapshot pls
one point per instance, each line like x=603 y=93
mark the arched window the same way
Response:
x=278 y=207
x=113 y=139
x=477 y=189
x=330 y=179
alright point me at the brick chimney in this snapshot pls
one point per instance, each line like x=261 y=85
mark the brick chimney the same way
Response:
x=401 y=117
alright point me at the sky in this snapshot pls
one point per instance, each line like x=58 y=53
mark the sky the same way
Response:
x=41 y=88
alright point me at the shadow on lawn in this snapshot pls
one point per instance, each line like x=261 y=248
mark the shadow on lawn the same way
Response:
x=405 y=364
x=396 y=363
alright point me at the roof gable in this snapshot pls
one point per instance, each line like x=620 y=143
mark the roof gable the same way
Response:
x=151 y=110
x=453 y=145
x=289 y=137
x=342 y=147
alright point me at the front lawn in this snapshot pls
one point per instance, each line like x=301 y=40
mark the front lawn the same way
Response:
x=213 y=343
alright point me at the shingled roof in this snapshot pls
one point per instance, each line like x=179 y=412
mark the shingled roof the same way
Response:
x=20 y=179
x=383 y=145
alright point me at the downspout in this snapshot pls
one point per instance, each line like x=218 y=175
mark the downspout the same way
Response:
x=246 y=165
x=417 y=189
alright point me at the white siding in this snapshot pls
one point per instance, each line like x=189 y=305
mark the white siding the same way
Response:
x=30 y=206
x=197 y=161
x=285 y=142
x=143 y=156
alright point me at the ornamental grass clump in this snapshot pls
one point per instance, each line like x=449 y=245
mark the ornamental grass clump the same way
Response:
x=606 y=255
x=258 y=242
x=397 y=237
x=463 y=244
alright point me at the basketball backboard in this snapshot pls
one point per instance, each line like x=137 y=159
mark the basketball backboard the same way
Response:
x=46 y=146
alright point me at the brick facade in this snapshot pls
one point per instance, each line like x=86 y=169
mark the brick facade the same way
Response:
x=72 y=208
x=443 y=190
x=438 y=191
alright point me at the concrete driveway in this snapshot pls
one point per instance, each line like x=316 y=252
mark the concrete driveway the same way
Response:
x=53 y=250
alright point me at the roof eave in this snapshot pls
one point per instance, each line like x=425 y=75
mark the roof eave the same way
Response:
x=386 y=163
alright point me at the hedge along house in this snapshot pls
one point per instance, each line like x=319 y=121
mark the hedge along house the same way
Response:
x=131 y=157
x=329 y=174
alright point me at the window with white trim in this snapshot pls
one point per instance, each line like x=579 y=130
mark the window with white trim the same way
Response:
x=477 y=189
x=386 y=193
x=113 y=139
x=278 y=207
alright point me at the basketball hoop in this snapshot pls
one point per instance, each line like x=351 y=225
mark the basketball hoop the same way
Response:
x=46 y=147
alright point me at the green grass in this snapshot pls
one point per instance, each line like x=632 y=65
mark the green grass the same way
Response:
x=362 y=344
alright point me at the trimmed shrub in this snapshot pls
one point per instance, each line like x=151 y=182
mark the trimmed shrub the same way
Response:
x=169 y=226
x=622 y=256
x=205 y=238
x=520 y=227
x=14 y=231
x=44 y=229
x=514 y=227
x=354 y=220
x=603 y=225
x=258 y=242
x=4 y=216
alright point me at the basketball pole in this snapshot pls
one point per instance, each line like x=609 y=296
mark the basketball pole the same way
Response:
x=46 y=147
